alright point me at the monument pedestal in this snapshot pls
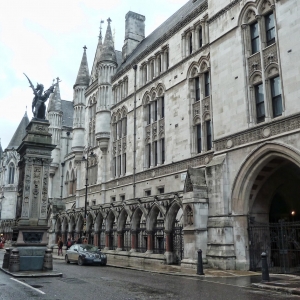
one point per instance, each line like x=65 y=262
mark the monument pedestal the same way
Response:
x=34 y=166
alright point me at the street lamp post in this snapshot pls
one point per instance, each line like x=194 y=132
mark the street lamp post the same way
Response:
x=86 y=159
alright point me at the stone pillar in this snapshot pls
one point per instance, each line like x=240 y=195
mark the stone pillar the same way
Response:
x=34 y=169
x=169 y=245
x=150 y=242
x=120 y=240
x=107 y=244
x=133 y=241
x=96 y=238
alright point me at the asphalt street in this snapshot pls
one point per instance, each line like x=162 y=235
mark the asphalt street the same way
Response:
x=94 y=282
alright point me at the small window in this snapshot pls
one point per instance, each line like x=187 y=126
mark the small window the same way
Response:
x=207 y=84
x=197 y=89
x=119 y=165
x=276 y=97
x=122 y=197
x=199 y=139
x=167 y=58
x=93 y=202
x=200 y=37
x=149 y=155
x=124 y=163
x=162 y=107
x=149 y=114
x=155 y=153
x=11 y=174
x=208 y=135
x=148 y=193
x=162 y=151
x=155 y=110
x=254 y=37
x=270 y=29
x=113 y=199
x=115 y=167
x=191 y=43
x=161 y=190
x=260 y=103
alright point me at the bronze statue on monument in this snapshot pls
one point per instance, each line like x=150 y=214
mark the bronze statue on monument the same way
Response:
x=38 y=102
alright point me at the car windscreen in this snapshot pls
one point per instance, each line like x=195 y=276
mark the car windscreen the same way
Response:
x=88 y=248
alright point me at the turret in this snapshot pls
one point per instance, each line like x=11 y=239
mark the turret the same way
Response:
x=54 y=115
x=94 y=73
x=106 y=67
x=81 y=84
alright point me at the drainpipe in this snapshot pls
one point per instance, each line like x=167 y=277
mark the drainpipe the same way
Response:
x=62 y=180
x=134 y=131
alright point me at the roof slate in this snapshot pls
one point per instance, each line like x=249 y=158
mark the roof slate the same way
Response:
x=159 y=32
x=68 y=110
x=19 y=134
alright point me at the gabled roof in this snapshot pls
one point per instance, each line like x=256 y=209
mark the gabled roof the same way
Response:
x=161 y=31
x=20 y=133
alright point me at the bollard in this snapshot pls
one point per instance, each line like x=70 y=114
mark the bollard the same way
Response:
x=200 y=263
x=264 y=267
x=48 y=261
x=14 y=261
x=5 y=264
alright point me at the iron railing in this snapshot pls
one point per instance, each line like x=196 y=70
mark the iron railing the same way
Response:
x=281 y=242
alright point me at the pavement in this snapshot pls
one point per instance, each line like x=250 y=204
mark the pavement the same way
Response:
x=285 y=283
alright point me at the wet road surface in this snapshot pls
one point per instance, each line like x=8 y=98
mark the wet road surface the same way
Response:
x=94 y=282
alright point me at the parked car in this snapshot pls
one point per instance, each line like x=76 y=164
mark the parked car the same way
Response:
x=85 y=254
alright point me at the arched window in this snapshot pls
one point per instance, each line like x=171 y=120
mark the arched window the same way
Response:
x=154 y=114
x=11 y=174
x=119 y=129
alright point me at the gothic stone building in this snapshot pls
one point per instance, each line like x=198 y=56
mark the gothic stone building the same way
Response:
x=190 y=138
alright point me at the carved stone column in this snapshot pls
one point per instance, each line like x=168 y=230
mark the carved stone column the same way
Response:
x=150 y=242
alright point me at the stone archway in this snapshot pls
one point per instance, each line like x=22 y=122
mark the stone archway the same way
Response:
x=265 y=192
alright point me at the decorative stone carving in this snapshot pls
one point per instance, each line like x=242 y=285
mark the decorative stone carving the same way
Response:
x=196 y=108
x=270 y=55
x=254 y=63
x=260 y=132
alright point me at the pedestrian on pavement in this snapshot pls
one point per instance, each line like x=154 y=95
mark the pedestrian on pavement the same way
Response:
x=60 y=245
x=69 y=243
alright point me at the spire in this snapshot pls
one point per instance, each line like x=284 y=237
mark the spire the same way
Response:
x=55 y=99
x=108 y=49
x=20 y=133
x=83 y=77
x=100 y=34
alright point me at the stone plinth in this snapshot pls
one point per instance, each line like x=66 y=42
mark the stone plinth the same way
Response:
x=34 y=169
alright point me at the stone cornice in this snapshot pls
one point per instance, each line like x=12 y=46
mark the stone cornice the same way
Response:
x=195 y=13
x=259 y=133
x=223 y=11
x=165 y=170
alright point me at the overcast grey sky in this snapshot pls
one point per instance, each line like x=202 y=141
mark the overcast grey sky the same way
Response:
x=44 y=39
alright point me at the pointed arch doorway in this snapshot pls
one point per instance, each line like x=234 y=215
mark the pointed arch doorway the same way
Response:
x=269 y=191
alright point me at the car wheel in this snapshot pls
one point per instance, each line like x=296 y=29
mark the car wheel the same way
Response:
x=67 y=259
x=80 y=261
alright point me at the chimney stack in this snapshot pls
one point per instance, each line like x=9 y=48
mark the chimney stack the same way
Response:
x=134 y=32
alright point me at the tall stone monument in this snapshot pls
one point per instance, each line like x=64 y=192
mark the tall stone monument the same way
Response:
x=35 y=158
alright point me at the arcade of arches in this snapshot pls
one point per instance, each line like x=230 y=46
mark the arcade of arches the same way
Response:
x=152 y=227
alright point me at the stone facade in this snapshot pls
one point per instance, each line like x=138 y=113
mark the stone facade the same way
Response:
x=183 y=134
